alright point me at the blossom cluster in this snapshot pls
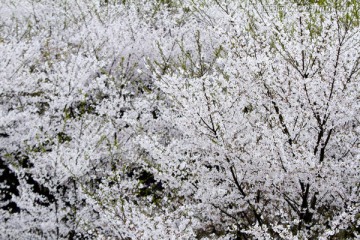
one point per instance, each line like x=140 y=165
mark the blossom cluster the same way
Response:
x=172 y=119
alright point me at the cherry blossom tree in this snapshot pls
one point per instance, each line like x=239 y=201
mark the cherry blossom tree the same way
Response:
x=267 y=140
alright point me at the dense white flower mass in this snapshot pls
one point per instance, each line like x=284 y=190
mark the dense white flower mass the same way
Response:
x=169 y=119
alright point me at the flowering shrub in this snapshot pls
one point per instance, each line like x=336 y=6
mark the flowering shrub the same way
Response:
x=180 y=120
